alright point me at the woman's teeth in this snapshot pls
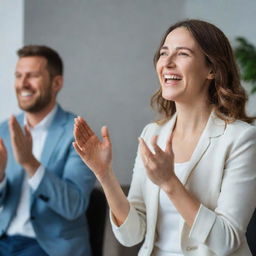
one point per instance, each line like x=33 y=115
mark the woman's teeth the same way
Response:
x=171 y=77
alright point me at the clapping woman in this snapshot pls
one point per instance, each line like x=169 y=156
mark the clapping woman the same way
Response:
x=194 y=180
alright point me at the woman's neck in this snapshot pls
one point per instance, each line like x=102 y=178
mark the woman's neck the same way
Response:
x=191 y=120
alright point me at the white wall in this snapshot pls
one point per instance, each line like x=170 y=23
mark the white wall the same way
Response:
x=107 y=47
x=11 y=20
x=234 y=17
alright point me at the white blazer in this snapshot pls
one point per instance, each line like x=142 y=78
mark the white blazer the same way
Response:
x=221 y=175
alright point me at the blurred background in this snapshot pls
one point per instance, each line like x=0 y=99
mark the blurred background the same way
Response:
x=107 y=47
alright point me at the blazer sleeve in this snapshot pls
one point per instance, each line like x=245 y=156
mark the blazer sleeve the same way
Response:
x=68 y=194
x=132 y=231
x=223 y=229
x=4 y=183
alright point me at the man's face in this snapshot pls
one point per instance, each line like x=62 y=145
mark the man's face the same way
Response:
x=33 y=84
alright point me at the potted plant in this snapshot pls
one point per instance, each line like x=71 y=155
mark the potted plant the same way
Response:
x=245 y=53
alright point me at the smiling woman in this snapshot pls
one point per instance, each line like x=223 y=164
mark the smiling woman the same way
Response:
x=195 y=164
x=217 y=54
x=182 y=70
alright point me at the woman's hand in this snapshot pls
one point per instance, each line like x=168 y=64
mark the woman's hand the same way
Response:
x=95 y=153
x=3 y=159
x=159 y=165
x=160 y=169
x=98 y=156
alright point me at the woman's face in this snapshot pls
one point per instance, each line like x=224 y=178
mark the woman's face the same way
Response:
x=181 y=68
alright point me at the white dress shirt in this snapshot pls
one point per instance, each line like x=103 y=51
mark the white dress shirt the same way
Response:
x=21 y=224
x=169 y=222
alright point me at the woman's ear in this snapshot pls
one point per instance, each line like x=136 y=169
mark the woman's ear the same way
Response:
x=211 y=75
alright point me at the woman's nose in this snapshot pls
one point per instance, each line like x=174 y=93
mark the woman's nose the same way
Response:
x=170 y=61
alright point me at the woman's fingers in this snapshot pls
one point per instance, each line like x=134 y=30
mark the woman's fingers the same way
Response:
x=157 y=149
x=77 y=149
x=81 y=134
x=79 y=138
x=86 y=128
x=168 y=147
x=144 y=148
x=105 y=135
x=145 y=152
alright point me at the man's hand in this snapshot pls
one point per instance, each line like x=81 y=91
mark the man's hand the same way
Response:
x=3 y=159
x=22 y=147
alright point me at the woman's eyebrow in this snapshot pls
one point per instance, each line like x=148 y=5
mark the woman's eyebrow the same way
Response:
x=178 y=48
x=184 y=48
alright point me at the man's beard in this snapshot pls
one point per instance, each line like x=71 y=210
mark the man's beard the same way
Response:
x=39 y=104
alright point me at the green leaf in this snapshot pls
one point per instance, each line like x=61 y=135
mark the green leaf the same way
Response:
x=245 y=53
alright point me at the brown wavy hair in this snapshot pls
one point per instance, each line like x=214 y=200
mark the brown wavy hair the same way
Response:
x=226 y=94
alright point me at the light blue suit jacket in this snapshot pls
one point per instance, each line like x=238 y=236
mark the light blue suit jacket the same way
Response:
x=59 y=203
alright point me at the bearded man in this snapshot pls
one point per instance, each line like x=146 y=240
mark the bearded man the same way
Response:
x=44 y=186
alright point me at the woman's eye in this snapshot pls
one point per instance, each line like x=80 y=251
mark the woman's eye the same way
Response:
x=163 y=54
x=183 y=54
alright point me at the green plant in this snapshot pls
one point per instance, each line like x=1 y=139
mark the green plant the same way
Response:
x=245 y=54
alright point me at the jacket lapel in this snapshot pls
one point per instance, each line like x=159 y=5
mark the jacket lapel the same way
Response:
x=214 y=128
x=55 y=133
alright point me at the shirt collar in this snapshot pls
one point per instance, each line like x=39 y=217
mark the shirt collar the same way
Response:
x=46 y=122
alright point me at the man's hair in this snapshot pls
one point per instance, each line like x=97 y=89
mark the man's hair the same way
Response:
x=54 y=61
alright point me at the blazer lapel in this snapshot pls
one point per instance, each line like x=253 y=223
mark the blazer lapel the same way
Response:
x=200 y=149
x=55 y=133
x=215 y=127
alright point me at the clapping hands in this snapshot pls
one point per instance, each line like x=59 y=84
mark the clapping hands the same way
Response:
x=22 y=147
x=159 y=165
x=95 y=153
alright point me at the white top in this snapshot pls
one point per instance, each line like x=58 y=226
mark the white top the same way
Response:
x=169 y=222
x=21 y=224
